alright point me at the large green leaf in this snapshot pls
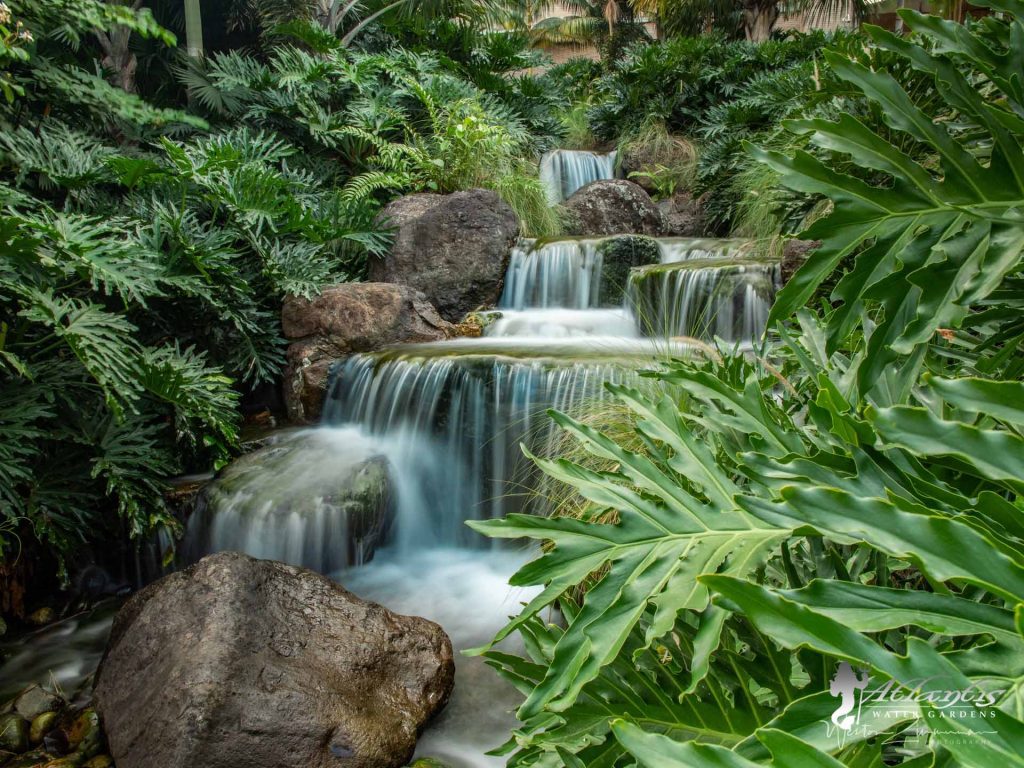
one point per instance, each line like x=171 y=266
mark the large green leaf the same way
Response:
x=666 y=536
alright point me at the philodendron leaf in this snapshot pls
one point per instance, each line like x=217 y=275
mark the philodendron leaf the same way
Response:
x=992 y=454
x=666 y=536
x=656 y=751
x=652 y=750
x=942 y=547
x=1003 y=400
x=876 y=609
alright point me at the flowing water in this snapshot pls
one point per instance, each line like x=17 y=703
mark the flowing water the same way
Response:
x=565 y=171
x=418 y=439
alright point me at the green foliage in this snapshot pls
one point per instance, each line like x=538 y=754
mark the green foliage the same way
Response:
x=853 y=496
x=141 y=280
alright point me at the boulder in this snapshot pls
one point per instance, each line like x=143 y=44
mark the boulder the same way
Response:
x=683 y=215
x=615 y=207
x=454 y=248
x=344 y=320
x=794 y=254
x=242 y=662
x=619 y=255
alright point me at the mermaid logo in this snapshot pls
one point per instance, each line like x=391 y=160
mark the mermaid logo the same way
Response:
x=845 y=685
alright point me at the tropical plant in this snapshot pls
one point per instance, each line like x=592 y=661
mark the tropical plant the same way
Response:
x=140 y=285
x=850 y=495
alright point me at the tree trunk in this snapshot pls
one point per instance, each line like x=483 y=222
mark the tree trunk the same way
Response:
x=759 y=17
x=194 y=29
x=118 y=58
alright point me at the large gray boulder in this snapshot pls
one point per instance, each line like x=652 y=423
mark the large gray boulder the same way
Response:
x=242 y=662
x=342 y=321
x=616 y=207
x=454 y=248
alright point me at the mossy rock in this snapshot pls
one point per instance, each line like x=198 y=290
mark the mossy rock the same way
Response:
x=13 y=733
x=42 y=724
x=620 y=255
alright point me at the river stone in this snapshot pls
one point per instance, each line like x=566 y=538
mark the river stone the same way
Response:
x=684 y=215
x=615 y=207
x=619 y=255
x=34 y=700
x=344 y=320
x=242 y=662
x=13 y=733
x=454 y=248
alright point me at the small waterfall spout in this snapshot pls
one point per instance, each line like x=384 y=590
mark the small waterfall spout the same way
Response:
x=564 y=171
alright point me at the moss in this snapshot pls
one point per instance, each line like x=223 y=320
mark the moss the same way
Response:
x=619 y=256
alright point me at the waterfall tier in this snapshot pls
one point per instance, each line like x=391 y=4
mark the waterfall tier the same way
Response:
x=705 y=299
x=701 y=287
x=562 y=273
x=452 y=417
x=563 y=171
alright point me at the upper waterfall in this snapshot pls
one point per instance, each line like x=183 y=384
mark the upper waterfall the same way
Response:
x=565 y=171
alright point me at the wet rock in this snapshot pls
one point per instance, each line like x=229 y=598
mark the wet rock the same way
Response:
x=454 y=248
x=240 y=662
x=85 y=735
x=475 y=324
x=300 y=482
x=615 y=207
x=794 y=254
x=41 y=725
x=34 y=700
x=684 y=216
x=13 y=733
x=619 y=255
x=345 y=320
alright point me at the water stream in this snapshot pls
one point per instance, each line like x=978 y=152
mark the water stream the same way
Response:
x=564 y=171
x=418 y=439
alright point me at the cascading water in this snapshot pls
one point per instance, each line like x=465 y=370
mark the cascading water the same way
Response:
x=726 y=300
x=565 y=171
x=564 y=273
x=417 y=440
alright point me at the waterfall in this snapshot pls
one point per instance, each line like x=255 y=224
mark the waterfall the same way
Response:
x=563 y=171
x=318 y=498
x=725 y=300
x=418 y=439
x=564 y=273
x=562 y=323
x=679 y=249
x=454 y=424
